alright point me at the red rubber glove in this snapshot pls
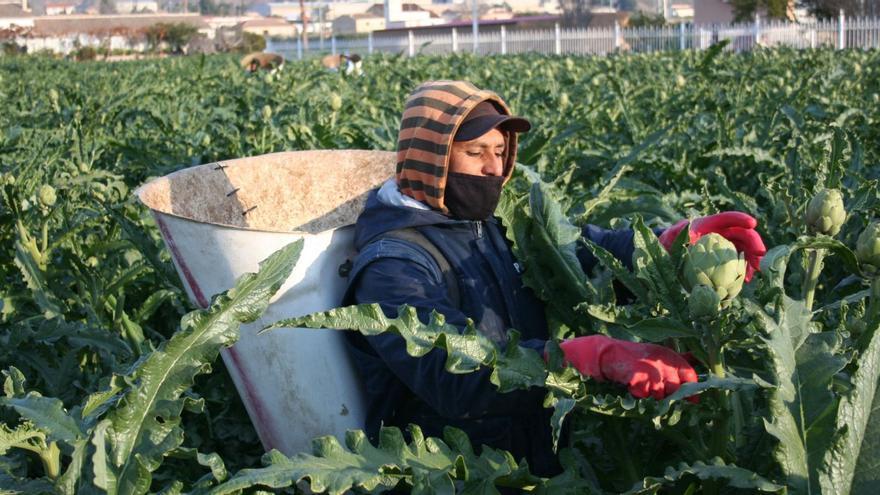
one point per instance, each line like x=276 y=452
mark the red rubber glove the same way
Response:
x=735 y=226
x=646 y=369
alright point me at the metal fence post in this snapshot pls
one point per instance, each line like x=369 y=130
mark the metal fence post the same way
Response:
x=299 y=48
x=682 y=44
x=616 y=35
x=503 y=40
x=558 y=33
x=412 y=43
x=370 y=43
x=454 y=40
x=333 y=44
x=841 y=31
x=475 y=20
x=757 y=30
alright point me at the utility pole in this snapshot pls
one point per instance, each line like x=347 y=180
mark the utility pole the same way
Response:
x=304 y=18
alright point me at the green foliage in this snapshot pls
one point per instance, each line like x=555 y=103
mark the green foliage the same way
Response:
x=90 y=296
x=119 y=435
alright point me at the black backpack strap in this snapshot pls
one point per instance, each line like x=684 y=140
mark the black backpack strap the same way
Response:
x=413 y=236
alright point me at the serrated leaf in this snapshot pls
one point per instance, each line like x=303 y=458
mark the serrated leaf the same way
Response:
x=653 y=265
x=145 y=423
x=665 y=411
x=428 y=464
x=24 y=436
x=716 y=469
x=34 y=277
x=465 y=353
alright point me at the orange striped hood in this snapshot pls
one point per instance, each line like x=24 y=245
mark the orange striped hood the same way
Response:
x=431 y=117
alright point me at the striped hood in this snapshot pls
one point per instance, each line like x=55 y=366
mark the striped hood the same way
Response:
x=431 y=117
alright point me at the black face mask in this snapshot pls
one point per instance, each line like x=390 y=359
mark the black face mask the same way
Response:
x=472 y=197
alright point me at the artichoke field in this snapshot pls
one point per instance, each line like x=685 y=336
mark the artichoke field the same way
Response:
x=92 y=310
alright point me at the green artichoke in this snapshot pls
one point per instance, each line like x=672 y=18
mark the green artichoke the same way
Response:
x=714 y=262
x=47 y=195
x=825 y=213
x=868 y=247
x=335 y=102
x=703 y=302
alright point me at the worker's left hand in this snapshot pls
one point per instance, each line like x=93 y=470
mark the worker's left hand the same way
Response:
x=735 y=226
x=648 y=370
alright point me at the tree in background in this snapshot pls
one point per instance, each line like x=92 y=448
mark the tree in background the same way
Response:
x=641 y=19
x=575 y=13
x=251 y=42
x=176 y=35
x=211 y=7
x=107 y=7
x=831 y=8
x=744 y=10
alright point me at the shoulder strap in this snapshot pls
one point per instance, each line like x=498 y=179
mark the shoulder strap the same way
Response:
x=413 y=236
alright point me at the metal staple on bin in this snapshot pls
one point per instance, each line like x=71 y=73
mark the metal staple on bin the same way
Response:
x=222 y=168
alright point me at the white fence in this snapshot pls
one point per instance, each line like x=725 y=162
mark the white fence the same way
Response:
x=863 y=33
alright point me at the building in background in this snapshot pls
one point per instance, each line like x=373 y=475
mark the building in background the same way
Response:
x=15 y=14
x=271 y=27
x=358 y=24
x=60 y=8
x=131 y=6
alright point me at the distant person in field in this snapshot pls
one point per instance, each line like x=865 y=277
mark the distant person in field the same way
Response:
x=352 y=63
x=256 y=61
x=428 y=238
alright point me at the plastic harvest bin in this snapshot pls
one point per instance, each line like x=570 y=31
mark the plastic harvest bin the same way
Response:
x=221 y=219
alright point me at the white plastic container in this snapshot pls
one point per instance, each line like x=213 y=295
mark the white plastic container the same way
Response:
x=220 y=220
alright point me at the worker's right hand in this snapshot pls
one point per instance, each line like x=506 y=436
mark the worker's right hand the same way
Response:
x=646 y=369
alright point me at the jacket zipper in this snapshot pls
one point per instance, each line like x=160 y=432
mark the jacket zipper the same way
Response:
x=478 y=227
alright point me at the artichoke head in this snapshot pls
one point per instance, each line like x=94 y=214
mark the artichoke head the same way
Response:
x=713 y=262
x=868 y=247
x=703 y=302
x=47 y=195
x=825 y=213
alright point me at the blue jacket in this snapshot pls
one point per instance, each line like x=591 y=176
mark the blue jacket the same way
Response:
x=401 y=389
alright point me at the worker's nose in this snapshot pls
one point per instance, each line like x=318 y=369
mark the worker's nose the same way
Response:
x=494 y=166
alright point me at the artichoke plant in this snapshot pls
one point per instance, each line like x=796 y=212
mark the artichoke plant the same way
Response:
x=868 y=247
x=825 y=212
x=713 y=261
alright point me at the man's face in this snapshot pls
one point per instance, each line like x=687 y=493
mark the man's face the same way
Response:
x=483 y=156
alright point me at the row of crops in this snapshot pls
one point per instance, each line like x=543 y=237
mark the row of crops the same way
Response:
x=91 y=308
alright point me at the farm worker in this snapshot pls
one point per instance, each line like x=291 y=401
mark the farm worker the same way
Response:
x=456 y=149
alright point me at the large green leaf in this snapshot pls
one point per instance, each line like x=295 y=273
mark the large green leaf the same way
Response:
x=47 y=414
x=545 y=242
x=801 y=402
x=145 y=424
x=855 y=460
x=514 y=368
